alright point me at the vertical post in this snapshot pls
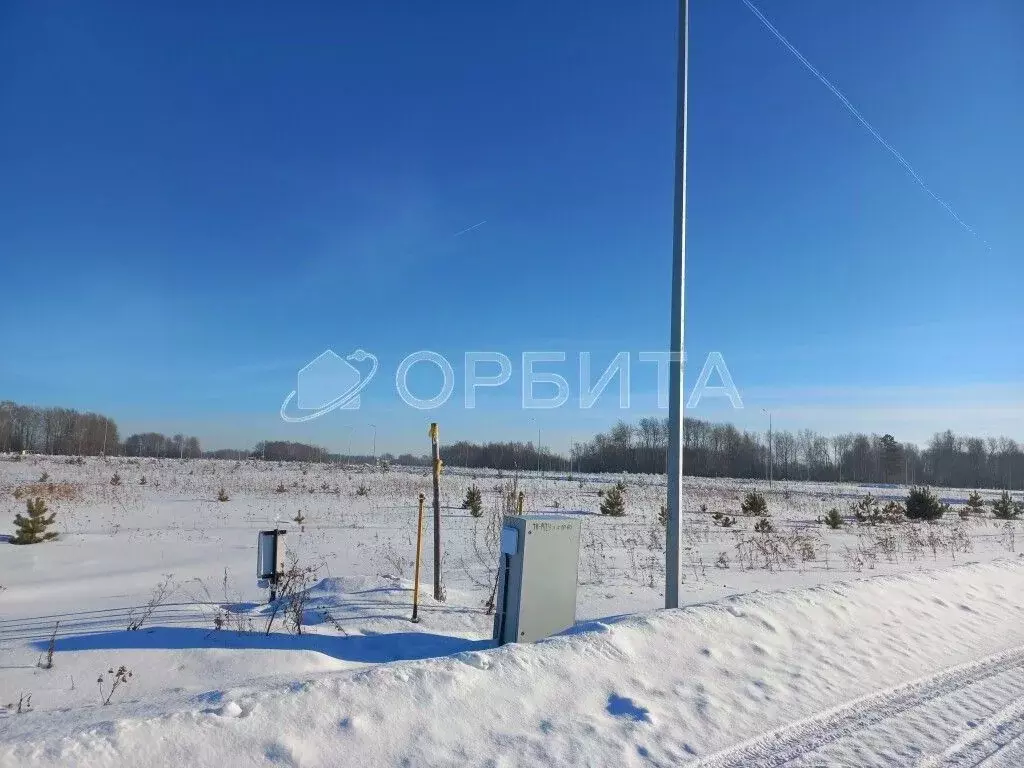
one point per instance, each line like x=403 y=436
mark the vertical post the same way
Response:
x=436 y=454
x=419 y=549
x=675 y=378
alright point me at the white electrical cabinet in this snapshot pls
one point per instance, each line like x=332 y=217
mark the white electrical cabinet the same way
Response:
x=537 y=575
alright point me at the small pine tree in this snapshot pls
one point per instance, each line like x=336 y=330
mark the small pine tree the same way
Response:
x=922 y=504
x=764 y=525
x=613 y=503
x=474 y=501
x=222 y=495
x=663 y=515
x=300 y=520
x=754 y=504
x=833 y=519
x=892 y=512
x=621 y=486
x=1004 y=508
x=142 y=480
x=280 y=488
x=866 y=510
x=975 y=504
x=32 y=529
x=115 y=479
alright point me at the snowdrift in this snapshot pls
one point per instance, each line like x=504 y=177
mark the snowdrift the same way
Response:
x=664 y=688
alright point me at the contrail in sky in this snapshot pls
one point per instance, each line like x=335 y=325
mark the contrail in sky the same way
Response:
x=862 y=120
x=470 y=229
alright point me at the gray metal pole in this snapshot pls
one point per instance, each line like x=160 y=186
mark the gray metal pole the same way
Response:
x=675 y=378
x=435 y=450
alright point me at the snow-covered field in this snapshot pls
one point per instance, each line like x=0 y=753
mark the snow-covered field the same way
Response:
x=782 y=631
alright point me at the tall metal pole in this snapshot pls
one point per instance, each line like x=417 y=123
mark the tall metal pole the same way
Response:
x=374 y=443
x=675 y=378
x=435 y=449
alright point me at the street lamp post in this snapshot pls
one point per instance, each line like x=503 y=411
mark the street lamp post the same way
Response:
x=675 y=378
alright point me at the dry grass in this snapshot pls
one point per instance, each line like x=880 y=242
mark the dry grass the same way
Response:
x=49 y=491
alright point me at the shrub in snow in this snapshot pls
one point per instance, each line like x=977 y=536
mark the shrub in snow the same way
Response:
x=764 y=525
x=869 y=510
x=31 y=529
x=115 y=479
x=892 y=512
x=613 y=504
x=833 y=519
x=922 y=504
x=754 y=504
x=474 y=501
x=139 y=616
x=723 y=520
x=621 y=486
x=975 y=504
x=47 y=663
x=866 y=510
x=280 y=488
x=663 y=515
x=222 y=495
x=362 y=490
x=24 y=703
x=120 y=677
x=1005 y=508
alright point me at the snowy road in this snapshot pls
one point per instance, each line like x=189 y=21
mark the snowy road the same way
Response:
x=968 y=715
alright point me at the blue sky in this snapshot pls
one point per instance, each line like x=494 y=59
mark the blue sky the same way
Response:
x=195 y=201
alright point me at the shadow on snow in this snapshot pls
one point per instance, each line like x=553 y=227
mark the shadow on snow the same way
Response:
x=367 y=649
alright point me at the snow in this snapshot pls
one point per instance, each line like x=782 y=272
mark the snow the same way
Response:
x=875 y=649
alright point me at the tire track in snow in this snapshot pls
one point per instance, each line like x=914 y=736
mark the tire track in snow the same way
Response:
x=803 y=737
x=978 y=745
x=1005 y=759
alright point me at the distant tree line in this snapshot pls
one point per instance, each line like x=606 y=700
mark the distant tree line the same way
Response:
x=711 y=450
x=286 y=450
x=722 y=450
x=55 y=430
x=156 y=445
x=67 y=432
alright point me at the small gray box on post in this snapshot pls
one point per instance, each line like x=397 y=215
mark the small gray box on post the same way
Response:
x=270 y=558
x=536 y=577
